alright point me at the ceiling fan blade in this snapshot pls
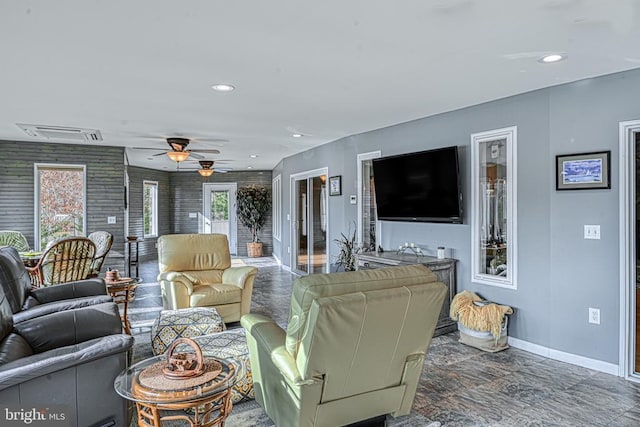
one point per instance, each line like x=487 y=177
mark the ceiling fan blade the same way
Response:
x=195 y=155
x=146 y=148
x=159 y=154
x=212 y=151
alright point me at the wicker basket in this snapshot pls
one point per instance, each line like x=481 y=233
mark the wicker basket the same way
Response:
x=254 y=249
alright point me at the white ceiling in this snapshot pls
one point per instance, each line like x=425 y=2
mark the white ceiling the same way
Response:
x=141 y=70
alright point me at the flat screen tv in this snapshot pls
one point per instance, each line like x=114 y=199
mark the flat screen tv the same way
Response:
x=422 y=186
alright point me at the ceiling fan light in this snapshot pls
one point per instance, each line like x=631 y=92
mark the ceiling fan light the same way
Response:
x=178 y=156
x=205 y=172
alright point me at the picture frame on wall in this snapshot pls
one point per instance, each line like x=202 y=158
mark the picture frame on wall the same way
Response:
x=335 y=185
x=583 y=171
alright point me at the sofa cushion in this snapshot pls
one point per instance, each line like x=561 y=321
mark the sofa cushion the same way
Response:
x=206 y=277
x=308 y=288
x=14 y=278
x=13 y=347
x=208 y=295
x=193 y=252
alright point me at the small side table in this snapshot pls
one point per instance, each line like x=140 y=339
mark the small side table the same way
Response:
x=123 y=292
x=132 y=256
x=205 y=405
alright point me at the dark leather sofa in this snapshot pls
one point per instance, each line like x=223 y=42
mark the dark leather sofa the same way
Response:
x=26 y=304
x=65 y=357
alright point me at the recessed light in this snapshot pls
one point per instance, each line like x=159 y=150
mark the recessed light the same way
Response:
x=253 y=156
x=222 y=87
x=552 y=58
x=249 y=167
x=297 y=135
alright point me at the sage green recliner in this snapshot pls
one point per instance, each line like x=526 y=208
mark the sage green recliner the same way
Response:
x=354 y=347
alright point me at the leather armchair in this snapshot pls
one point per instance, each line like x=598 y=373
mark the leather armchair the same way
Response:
x=68 y=360
x=25 y=303
x=354 y=347
x=195 y=271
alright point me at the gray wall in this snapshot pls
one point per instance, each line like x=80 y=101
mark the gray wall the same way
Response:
x=105 y=185
x=187 y=197
x=137 y=176
x=560 y=274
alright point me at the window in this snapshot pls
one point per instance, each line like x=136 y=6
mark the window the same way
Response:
x=60 y=202
x=276 y=190
x=150 y=208
x=367 y=221
x=493 y=206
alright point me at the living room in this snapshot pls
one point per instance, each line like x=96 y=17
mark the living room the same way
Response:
x=569 y=109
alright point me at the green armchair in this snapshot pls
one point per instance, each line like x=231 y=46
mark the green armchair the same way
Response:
x=354 y=347
x=195 y=271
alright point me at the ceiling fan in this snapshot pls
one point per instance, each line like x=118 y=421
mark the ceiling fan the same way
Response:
x=206 y=168
x=179 y=152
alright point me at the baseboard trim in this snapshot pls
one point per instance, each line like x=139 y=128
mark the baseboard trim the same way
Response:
x=574 y=359
x=286 y=268
x=277 y=259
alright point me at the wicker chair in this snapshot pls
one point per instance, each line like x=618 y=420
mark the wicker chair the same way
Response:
x=66 y=260
x=15 y=239
x=103 y=241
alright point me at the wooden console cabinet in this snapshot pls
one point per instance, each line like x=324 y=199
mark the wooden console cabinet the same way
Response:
x=445 y=269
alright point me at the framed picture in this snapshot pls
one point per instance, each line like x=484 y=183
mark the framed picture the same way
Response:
x=335 y=185
x=585 y=171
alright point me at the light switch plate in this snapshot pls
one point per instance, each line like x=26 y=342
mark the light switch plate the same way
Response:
x=111 y=220
x=353 y=199
x=592 y=232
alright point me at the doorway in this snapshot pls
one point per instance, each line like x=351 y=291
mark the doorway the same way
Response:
x=629 y=364
x=219 y=212
x=310 y=222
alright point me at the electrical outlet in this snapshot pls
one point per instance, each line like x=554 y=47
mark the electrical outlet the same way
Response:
x=111 y=220
x=594 y=315
x=592 y=232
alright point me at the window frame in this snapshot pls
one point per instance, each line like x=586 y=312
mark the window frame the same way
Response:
x=154 y=209
x=276 y=207
x=510 y=136
x=36 y=205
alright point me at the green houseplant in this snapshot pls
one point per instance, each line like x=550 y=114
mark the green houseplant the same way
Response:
x=252 y=207
x=348 y=247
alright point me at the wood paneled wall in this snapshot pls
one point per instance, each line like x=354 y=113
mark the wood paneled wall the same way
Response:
x=179 y=193
x=165 y=200
x=187 y=197
x=105 y=184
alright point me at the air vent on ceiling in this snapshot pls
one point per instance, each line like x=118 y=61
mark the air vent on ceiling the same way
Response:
x=60 y=132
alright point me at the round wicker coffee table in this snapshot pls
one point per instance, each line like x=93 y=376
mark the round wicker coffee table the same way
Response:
x=202 y=405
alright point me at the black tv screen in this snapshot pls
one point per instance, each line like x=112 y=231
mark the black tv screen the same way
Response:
x=423 y=186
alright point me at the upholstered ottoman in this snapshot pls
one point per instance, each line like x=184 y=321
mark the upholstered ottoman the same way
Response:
x=232 y=345
x=184 y=323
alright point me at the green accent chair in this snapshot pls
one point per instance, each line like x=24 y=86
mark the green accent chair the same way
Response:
x=354 y=347
x=14 y=239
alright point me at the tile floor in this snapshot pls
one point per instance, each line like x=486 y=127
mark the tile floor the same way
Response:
x=462 y=386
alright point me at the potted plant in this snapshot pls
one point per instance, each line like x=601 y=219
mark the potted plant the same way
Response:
x=346 y=258
x=252 y=206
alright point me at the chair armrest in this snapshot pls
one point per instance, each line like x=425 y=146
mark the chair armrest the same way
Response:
x=52 y=307
x=81 y=288
x=175 y=277
x=38 y=365
x=69 y=327
x=238 y=276
x=270 y=340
